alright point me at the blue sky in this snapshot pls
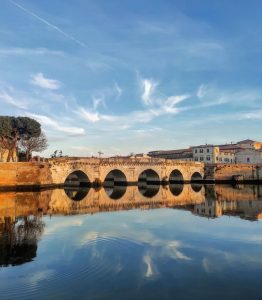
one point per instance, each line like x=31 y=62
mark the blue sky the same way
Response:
x=133 y=76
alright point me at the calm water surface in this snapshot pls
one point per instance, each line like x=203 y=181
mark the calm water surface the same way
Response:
x=177 y=242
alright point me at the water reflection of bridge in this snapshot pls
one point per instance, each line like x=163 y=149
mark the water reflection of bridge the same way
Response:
x=202 y=200
x=21 y=223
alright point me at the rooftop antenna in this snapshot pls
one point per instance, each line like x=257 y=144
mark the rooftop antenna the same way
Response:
x=100 y=153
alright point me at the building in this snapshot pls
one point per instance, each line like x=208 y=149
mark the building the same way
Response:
x=250 y=144
x=181 y=154
x=205 y=153
x=249 y=156
x=246 y=151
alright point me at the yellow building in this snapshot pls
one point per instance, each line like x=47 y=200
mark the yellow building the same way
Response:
x=250 y=144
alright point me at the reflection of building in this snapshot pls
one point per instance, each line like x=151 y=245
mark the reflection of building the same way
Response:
x=246 y=151
x=210 y=209
x=249 y=210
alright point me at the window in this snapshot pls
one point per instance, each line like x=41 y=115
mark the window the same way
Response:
x=207 y=150
x=196 y=159
x=195 y=150
x=217 y=158
x=201 y=150
x=248 y=159
x=208 y=158
x=201 y=158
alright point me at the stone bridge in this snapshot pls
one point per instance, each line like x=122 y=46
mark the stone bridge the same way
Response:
x=110 y=171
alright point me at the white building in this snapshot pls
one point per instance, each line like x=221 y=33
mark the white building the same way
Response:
x=249 y=156
x=212 y=154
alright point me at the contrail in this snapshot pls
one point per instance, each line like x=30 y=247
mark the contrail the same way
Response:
x=48 y=24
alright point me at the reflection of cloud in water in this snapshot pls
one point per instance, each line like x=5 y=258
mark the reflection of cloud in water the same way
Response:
x=36 y=277
x=216 y=260
x=151 y=270
x=173 y=252
x=53 y=228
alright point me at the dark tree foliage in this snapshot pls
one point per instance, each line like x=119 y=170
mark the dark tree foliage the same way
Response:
x=13 y=129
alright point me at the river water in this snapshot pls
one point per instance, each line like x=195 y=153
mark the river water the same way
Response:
x=147 y=242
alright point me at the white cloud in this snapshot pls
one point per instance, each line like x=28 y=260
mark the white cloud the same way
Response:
x=29 y=51
x=148 y=87
x=170 y=102
x=45 y=83
x=251 y=115
x=9 y=99
x=87 y=115
x=211 y=96
x=98 y=101
x=156 y=107
x=51 y=123
x=201 y=91
x=118 y=90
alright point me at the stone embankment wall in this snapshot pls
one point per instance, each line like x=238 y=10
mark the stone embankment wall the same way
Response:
x=227 y=172
x=24 y=175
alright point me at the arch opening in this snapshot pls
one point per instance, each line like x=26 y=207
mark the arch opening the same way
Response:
x=76 y=194
x=116 y=192
x=115 y=178
x=176 y=189
x=149 y=177
x=77 y=179
x=176 y=177
x=196 y=177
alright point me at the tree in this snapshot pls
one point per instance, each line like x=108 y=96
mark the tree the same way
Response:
x=35 y=143
x=14 y=129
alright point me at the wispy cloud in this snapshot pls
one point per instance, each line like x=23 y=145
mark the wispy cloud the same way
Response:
x=98 y=101
x=211 y=96
x=45 y=83
x=6 y=97
x=251 y=115
x=148 y=87
x=53 y=124
x=52 y=26
x=118 y=90
x=30 y=51
x=156 y=107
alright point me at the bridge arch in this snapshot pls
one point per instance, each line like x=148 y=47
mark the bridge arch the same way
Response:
x=149 y=176
x=196 y=177
x=115 y=177
x=77 y=178
x=176 y=176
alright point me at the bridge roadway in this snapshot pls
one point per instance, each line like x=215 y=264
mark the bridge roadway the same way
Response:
x=123 y=171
